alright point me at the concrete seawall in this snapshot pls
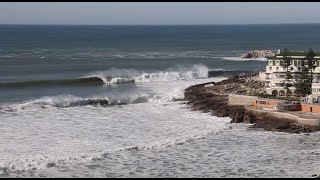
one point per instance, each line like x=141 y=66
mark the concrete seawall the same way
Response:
x=247 y=101
x=241 y=100
x=284 y=115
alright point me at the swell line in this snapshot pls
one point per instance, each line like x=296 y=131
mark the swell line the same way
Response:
x=77 y=81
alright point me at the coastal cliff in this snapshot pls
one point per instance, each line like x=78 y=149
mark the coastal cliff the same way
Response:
x=213 y=98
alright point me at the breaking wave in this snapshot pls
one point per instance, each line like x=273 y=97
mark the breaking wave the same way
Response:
x=118 y=76
x=160 y=90
x=65 y=101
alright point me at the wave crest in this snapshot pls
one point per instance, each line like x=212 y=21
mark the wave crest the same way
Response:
x=118 y=76
x=65 y=101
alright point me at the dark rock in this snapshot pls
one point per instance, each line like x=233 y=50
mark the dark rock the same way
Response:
x=51 y=164
x=249 y=117
x=237 y=118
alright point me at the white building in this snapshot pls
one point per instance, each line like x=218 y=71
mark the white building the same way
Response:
x=275 y=74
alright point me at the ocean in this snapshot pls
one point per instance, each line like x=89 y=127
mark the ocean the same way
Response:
x=107 y=101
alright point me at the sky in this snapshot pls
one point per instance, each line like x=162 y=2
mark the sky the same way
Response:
x=158 y=13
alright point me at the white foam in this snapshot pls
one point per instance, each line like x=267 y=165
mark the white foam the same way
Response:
x=43 y=135
x=244 y=59
x=119 y=80
x=59 y=136
x=69 y=100
x=117 y=76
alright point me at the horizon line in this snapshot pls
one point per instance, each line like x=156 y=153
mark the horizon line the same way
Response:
x=162 y=24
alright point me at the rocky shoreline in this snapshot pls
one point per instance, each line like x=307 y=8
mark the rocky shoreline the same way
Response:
x=213 y=98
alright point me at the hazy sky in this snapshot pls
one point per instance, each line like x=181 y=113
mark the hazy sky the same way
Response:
x=158 y=12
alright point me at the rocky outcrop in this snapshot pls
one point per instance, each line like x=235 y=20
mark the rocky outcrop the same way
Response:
x=199 y=99
x=260 y=53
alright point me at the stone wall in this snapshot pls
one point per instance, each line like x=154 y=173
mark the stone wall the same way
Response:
x=235 y=99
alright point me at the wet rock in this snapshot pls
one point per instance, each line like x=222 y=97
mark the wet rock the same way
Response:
x=249 y=117
x=51 y=164
x=237 y=115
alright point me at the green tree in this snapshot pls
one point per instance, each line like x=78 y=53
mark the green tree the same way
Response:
x=286 y=63
x=303 y=82
x=311 y=63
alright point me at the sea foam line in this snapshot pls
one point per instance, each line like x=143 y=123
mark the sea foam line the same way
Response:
x=244 y=59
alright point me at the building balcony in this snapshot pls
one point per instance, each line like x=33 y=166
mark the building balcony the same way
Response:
x=315 y=84
x=277 y=80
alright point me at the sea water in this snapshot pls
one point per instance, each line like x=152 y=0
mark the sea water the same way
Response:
x=107 y=101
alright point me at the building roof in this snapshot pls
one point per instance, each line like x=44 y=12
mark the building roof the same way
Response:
x=294 y=57
x=298 y=53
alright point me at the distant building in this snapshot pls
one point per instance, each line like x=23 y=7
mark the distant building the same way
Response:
x=274 y=76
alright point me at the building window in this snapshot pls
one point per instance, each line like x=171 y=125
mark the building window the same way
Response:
x=270 y=68
x=262 y=102
x=277 y=68
x=298 y=63
x=291 y=68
